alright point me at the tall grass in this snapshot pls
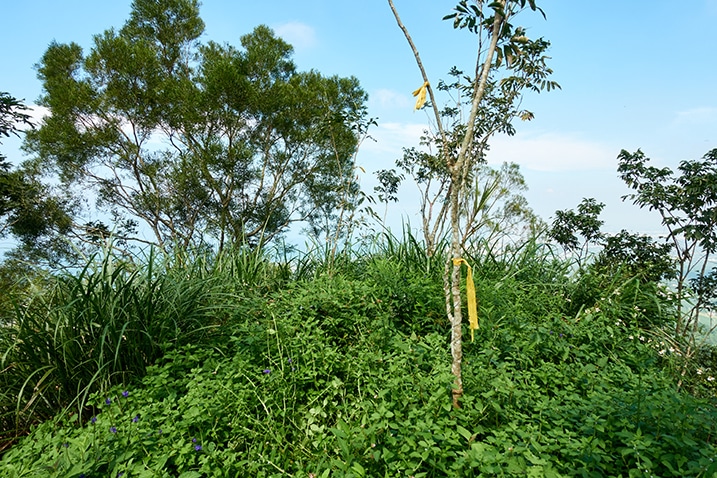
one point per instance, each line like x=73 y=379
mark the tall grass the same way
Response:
x=320 y=259
x=410 y=253
x=96 y=328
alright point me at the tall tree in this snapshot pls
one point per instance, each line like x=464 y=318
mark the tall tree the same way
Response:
x=197 y=142
x=28 y=209
x=507 y=64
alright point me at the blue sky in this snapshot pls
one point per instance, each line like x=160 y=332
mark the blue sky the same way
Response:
x=634 y=74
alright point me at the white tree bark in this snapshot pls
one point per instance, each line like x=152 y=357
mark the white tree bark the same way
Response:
x=459 y=171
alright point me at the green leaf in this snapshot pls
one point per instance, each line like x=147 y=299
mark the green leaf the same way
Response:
x=464 y=432
x=358 y=469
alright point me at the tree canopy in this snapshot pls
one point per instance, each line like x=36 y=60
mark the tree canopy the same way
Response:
x=28 y=210
x=193 y=143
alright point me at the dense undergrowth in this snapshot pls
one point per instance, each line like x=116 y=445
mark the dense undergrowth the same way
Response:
x=243 y=366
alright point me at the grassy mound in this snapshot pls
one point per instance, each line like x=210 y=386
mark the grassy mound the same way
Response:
x=302 y=371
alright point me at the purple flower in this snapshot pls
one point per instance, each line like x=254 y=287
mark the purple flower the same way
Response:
x=66 y=445
x=289 y=359
x=125 y=394
x=108 y=401
x=197 y=447
x=194 y=440
x=93 y=419
x=266 y=370
x=113 y=430
x=135 y=419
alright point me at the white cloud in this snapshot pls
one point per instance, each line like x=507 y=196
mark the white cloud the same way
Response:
x=386 y=144
x=300 y=35
x=389 y=99
x=696 y=116
x=37 y=113
x=390 y=138
x=552 y=152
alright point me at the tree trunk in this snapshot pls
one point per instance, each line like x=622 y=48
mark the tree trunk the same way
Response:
x=459 y=173
x=457 y=316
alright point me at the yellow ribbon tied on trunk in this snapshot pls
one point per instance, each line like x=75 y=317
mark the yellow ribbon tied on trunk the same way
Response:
x=421 y=94
x=471 y=296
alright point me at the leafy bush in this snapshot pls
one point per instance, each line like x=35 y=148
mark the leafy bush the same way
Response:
x=415 y=298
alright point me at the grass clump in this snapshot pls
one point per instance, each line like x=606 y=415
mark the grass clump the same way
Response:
x=100 y=326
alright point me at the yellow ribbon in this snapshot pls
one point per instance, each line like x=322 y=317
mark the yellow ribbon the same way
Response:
x=421 y=93
x=471 y=295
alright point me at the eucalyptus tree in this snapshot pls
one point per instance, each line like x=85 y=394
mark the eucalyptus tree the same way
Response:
x=487 y=100
x=194 y=142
